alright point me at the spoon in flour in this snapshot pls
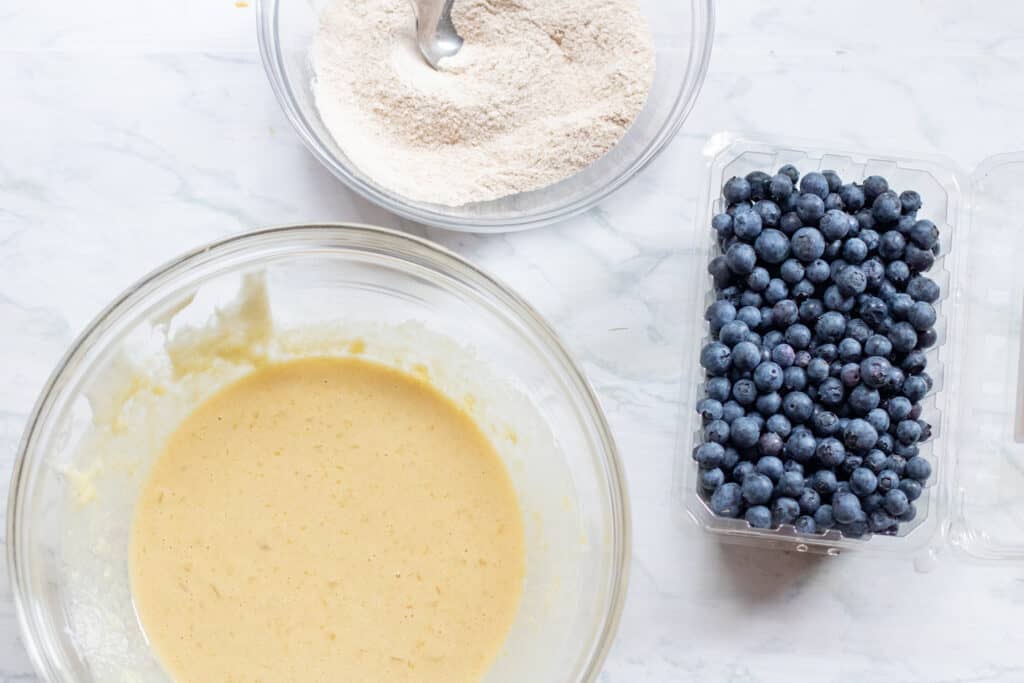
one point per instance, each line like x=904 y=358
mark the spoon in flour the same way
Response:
x=435 y=32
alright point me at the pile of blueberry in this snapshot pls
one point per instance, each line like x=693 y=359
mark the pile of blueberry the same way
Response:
x=816 y=369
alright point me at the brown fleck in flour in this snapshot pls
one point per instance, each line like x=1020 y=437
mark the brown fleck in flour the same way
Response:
x=540 y=90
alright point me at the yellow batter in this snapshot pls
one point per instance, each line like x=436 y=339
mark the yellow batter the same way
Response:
x=328 y=520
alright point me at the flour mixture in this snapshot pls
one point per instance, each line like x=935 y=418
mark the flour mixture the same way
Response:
x=539 y=91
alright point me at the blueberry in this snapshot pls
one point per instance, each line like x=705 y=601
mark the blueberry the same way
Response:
x=905 y=452
x=709 y=455
x=900 y=305
x=849 y=375
x=855 y=250
x=875 y=461
x=798 y=335
x=732 y=410
x=711 y=479
x=834 y=225
x=770 y=444
x=744 y=391
x=918 y=468
x=833 y=202
x=923 y=288
x=924 y=234
x=896 y=502
x=865 y=220
x=718 y=388
x=794 y=378
x=859 y=436
x=772 y=338
x=791 y=271
x=908 y=431
x=831 y=392
x=835 y=301
x=736 y=190
x=909 y=515
x=785 y=510
x=852 y=196
x=851 y=281
x=741 y=469
x=887 y=207
x=778 y=424
x=823 y=518
x=797 y=406
x=800 y=446
x=794 y=466
x=759 y=517
x=927 y=338
x=780 y=186
x=891 y=245
x=827 y=352
x=718 y=314
x=809 y=500
x=863 y=400
x=817 y=369
x=784 y=355
x=790 y=222
x=751 y=315
x=710 y=409
x=747 y=225
x=730 y=459
x=741 y=258
x=885 y=443
x=870 y=238
x=919 y=260
x=717 y=431
x=886 y=290
x=911 y=488
x=880 y=521
x=830 y=452
x=769 y=404
x=898 y=272
x=745 y=356
x=927 y=380
x=759 y=181
x=863 y=482
x=785 y=313
x=722 y=224
x=726 y=501
x=750 y=298
x=888 y=480
x=804 y=524
x=879 y=419
x=845 y=508
x=825 y=423
x=732 y=333
x=744 y=432
x=807 y=244
x=790 y=171
x=910 y=200
x=771 y=467
x=874 y=371
x=896 y=463
x=776 y=292
x=757 y=488
x=903 y=337
x=810 y=208
x=874 y=186
x=716 y=358
x=921 y=316
x=814 y=183
x=905 y=224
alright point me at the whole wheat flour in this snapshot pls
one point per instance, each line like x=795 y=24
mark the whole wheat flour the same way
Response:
x=539 y=90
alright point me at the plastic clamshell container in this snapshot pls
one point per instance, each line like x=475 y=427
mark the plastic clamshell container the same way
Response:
x=974 y=502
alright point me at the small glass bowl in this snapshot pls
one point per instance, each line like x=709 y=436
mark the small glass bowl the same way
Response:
x=683 y=33
x=68 y=552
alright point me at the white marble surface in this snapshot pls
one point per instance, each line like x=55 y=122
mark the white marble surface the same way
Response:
x=133 y=129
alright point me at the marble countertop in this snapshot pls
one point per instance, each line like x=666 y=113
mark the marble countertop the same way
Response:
x=133 y=129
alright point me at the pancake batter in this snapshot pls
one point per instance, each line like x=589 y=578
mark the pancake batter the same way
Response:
x=328 y=520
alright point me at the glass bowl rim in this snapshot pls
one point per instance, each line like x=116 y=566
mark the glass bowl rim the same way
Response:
x=447 y=263
x=699 y=54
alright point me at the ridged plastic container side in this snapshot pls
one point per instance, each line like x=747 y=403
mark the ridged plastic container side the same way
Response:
x=940 y=188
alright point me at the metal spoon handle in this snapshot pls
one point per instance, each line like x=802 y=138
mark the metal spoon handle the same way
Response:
x=435 y=32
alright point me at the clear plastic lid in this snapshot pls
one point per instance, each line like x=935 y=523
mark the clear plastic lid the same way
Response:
x=987 y=399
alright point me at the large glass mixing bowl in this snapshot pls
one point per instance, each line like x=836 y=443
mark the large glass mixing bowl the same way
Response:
x=407 y=301
x=683 y=31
